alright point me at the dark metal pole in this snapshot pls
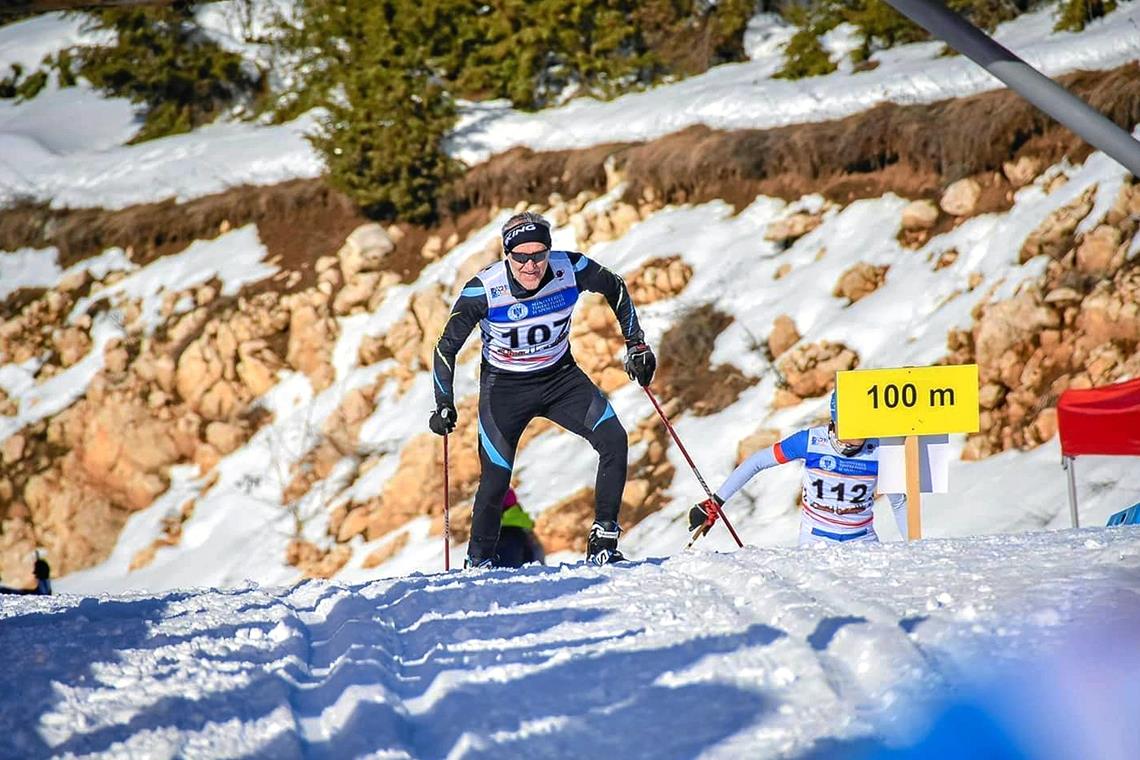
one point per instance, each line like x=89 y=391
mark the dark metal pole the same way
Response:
x=1025 y=80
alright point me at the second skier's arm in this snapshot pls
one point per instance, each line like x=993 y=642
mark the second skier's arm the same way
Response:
x=792 y=447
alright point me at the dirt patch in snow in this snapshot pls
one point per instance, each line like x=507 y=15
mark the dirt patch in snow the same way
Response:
x=912 y=150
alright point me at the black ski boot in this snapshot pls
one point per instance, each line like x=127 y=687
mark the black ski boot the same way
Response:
x=601 y=544
x=470 y=563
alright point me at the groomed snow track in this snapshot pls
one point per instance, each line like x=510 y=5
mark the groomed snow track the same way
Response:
x=757 y=653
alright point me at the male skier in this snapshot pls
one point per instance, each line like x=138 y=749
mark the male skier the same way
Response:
x=838 y=484
x=523 y=306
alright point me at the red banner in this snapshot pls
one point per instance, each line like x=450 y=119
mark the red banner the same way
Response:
x=1103 y=420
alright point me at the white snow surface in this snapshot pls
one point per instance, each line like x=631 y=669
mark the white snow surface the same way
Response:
x=762 y=653
x=744 y=96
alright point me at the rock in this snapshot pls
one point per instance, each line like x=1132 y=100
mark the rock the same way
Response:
x=785 y=398
x=74 y=281
x=991 y=395
x=71 y=343
x=860 y=280
x=12 y=450
x=623 y=216
x=385 y=552
x=486 y=256
x=1046 y=424
x=115 y=358
x=1062 y=295
x=1054 y=236
x=809 y=369
x=564 y=526
x=205 y=295
x=198 y=369
x=221 y=402
x=946 y=258
x=635 y=494
x=311 y=339
x=919 y=215
x=1006 y=324
x=224 y=436
x=782 y=271
x=1098 y=248
x=784 y=335
x=1055 y=183
x=961 y=198
x=792 y=228
x=612 y=379
x=431 y=312
x=314 y=562
x=364 y=250
x=354 y=524
x=75 y=523
x=761 y=438
x=1022 y=171
x=206 y=457
x=357 y=292
x=257 y=367
x=432 y=248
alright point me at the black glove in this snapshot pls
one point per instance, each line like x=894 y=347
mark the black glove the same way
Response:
x=443 y=419
x=640 y=363
x=705 y=513
x=41 y=570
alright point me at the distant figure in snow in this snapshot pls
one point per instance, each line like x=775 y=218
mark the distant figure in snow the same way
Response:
x=42 y=571
x=517 y=543
x=523 y=305
x=838 y=485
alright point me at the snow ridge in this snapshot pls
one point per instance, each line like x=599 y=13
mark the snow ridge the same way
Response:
x=759 y=653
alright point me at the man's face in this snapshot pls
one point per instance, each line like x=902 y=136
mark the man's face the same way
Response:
x=530 y=273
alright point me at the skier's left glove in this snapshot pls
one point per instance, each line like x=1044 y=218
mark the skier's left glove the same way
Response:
x=443 y=419
x=640 y=363
x=41 y=570
x=705 y=513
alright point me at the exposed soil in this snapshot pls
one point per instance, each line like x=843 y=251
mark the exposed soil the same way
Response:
x=914 y=151
x=684 y=372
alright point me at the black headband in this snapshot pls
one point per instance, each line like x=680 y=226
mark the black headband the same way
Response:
x=527 y=232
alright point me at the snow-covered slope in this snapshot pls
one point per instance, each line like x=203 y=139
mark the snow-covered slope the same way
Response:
x=833 y=652
x=238 y=504
x=44 y=157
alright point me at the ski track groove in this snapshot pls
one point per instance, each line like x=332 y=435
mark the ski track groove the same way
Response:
x=771 y=653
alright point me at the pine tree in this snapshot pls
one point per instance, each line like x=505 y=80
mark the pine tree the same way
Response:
x=163 y=61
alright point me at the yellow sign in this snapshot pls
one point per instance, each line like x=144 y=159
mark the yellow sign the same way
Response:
x=876 y=403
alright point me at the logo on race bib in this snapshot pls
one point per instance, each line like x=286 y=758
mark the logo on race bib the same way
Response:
x=517 y=311
x=827 y=463
x=498 y=291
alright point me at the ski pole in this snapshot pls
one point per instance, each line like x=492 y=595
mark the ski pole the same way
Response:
x=446 y=512
x=698 y=533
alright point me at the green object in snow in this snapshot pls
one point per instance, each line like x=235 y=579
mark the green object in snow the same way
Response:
x=515 y=517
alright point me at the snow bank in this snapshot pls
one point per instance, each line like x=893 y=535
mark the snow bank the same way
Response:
x=759 y=653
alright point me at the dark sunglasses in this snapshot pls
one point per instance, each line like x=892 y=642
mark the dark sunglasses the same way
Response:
x=537 y=257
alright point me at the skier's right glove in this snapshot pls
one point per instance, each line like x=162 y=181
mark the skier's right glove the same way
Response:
x=443 y=418
x=640 y=363
x=705 y=513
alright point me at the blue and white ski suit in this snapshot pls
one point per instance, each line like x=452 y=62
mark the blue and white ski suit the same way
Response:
x=838 y=490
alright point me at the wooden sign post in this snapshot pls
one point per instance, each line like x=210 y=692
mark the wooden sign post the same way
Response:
x=910 y=402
